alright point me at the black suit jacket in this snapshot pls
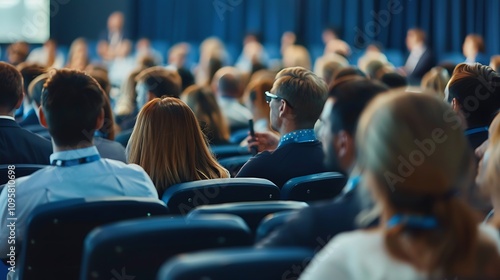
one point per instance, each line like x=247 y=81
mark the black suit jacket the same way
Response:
x=314 y=226
x=19 y=146
x=425 y=63
x=287 y=162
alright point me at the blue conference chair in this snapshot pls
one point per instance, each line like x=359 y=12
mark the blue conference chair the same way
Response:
x=53 y=243
x=226 y=151
x=20 y=170
x=182 y=198
x=136 y=249
x=251 y=212
x=241 y=264
x=234 y=164
x=271 y=222
x=313 y=187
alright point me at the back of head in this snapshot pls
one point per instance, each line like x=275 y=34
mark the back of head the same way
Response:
x=100 y=74
x=30 y=71
x=169 y=144
x=351 y=98
x=11 y=87
x=417 y=162
x=229 y=85
x=160 y=81
x=296 y=55
x=204 y=105
x=305 y=92
x=477 y=91
x=436 y=80
x=394 y=80
x=72 y=102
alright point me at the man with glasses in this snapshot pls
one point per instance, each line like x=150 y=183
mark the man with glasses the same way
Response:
x=296 y=101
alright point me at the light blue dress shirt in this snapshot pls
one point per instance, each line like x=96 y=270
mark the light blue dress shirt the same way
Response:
x=97 y=178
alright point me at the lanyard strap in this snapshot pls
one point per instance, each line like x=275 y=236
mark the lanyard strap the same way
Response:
x=73 y=162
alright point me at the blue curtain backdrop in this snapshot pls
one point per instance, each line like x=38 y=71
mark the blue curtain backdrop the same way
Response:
x=359 y=21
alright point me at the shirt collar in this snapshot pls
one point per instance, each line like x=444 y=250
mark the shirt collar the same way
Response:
x=7 y=118
x=298 y=136
x=74 y=154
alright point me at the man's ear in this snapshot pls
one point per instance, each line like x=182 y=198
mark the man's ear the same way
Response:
x=455 y=105
x=41 y=118
x=284 y=108
x=343 y=143
x=100 y=120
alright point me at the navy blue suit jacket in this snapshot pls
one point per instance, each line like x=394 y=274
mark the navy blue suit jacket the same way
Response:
x=314 y=226
x=20 y=146
x=426 y=62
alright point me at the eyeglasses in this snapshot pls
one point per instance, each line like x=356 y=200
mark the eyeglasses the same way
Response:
x=271 y=96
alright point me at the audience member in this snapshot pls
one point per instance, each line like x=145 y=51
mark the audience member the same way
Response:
x=421 y=58
x=78 y=56
x=394 y=80
x=143 y=48
x=208 y=113
x=210 y=49
x=26 y=115
x=375 y=69
x=426 y=231
x=373 y=52
x=288 y=38
x=473 y=49
x=255 y=99
x=72 y=109
x=17 y=52
x=326 y=67
x=168 y=143
x=488 y=172
x=17 y=145
x=114 y=42
x=229 y=92
x=474 y=93
x=253 y=54
x=177 y=55
x=313 y=226
x=436 y=80
x=495 y=63
x=297 y=56
x=47 y=55
x=32 y=123
x=296 y=101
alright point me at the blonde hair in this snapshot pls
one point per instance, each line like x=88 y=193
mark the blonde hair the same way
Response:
x=305 y=92
x=296 y=55
x=436 y=80
x=393 y=132
x=168 y=143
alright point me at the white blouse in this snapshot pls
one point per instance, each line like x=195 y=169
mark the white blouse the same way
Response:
x=362 y=255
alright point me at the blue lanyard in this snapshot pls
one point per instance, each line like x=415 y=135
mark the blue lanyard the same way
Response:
x=413 y=222
x=298 y=136
x=73 y=162
x=476 y=130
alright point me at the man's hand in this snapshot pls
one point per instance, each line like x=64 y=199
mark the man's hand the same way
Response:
x=264 y=141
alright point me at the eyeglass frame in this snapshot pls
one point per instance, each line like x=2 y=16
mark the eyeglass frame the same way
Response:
x=270 y=96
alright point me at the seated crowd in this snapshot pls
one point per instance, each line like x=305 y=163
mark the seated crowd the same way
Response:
x=418 y=144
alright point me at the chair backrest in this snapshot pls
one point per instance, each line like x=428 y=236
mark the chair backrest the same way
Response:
x=20 y=170
x=234 y=164
x=251 y=212
x=314 y=187
x=56 y=231
x=138 y=248
x=241 y=264
x=271 y=222
x=225 y=151
x=182 y=198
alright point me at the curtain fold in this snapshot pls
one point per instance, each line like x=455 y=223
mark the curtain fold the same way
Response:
x=447 y=22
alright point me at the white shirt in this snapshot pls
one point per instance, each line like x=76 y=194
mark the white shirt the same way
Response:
x=41 y=56
x=100 y=178
x=362 y=255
